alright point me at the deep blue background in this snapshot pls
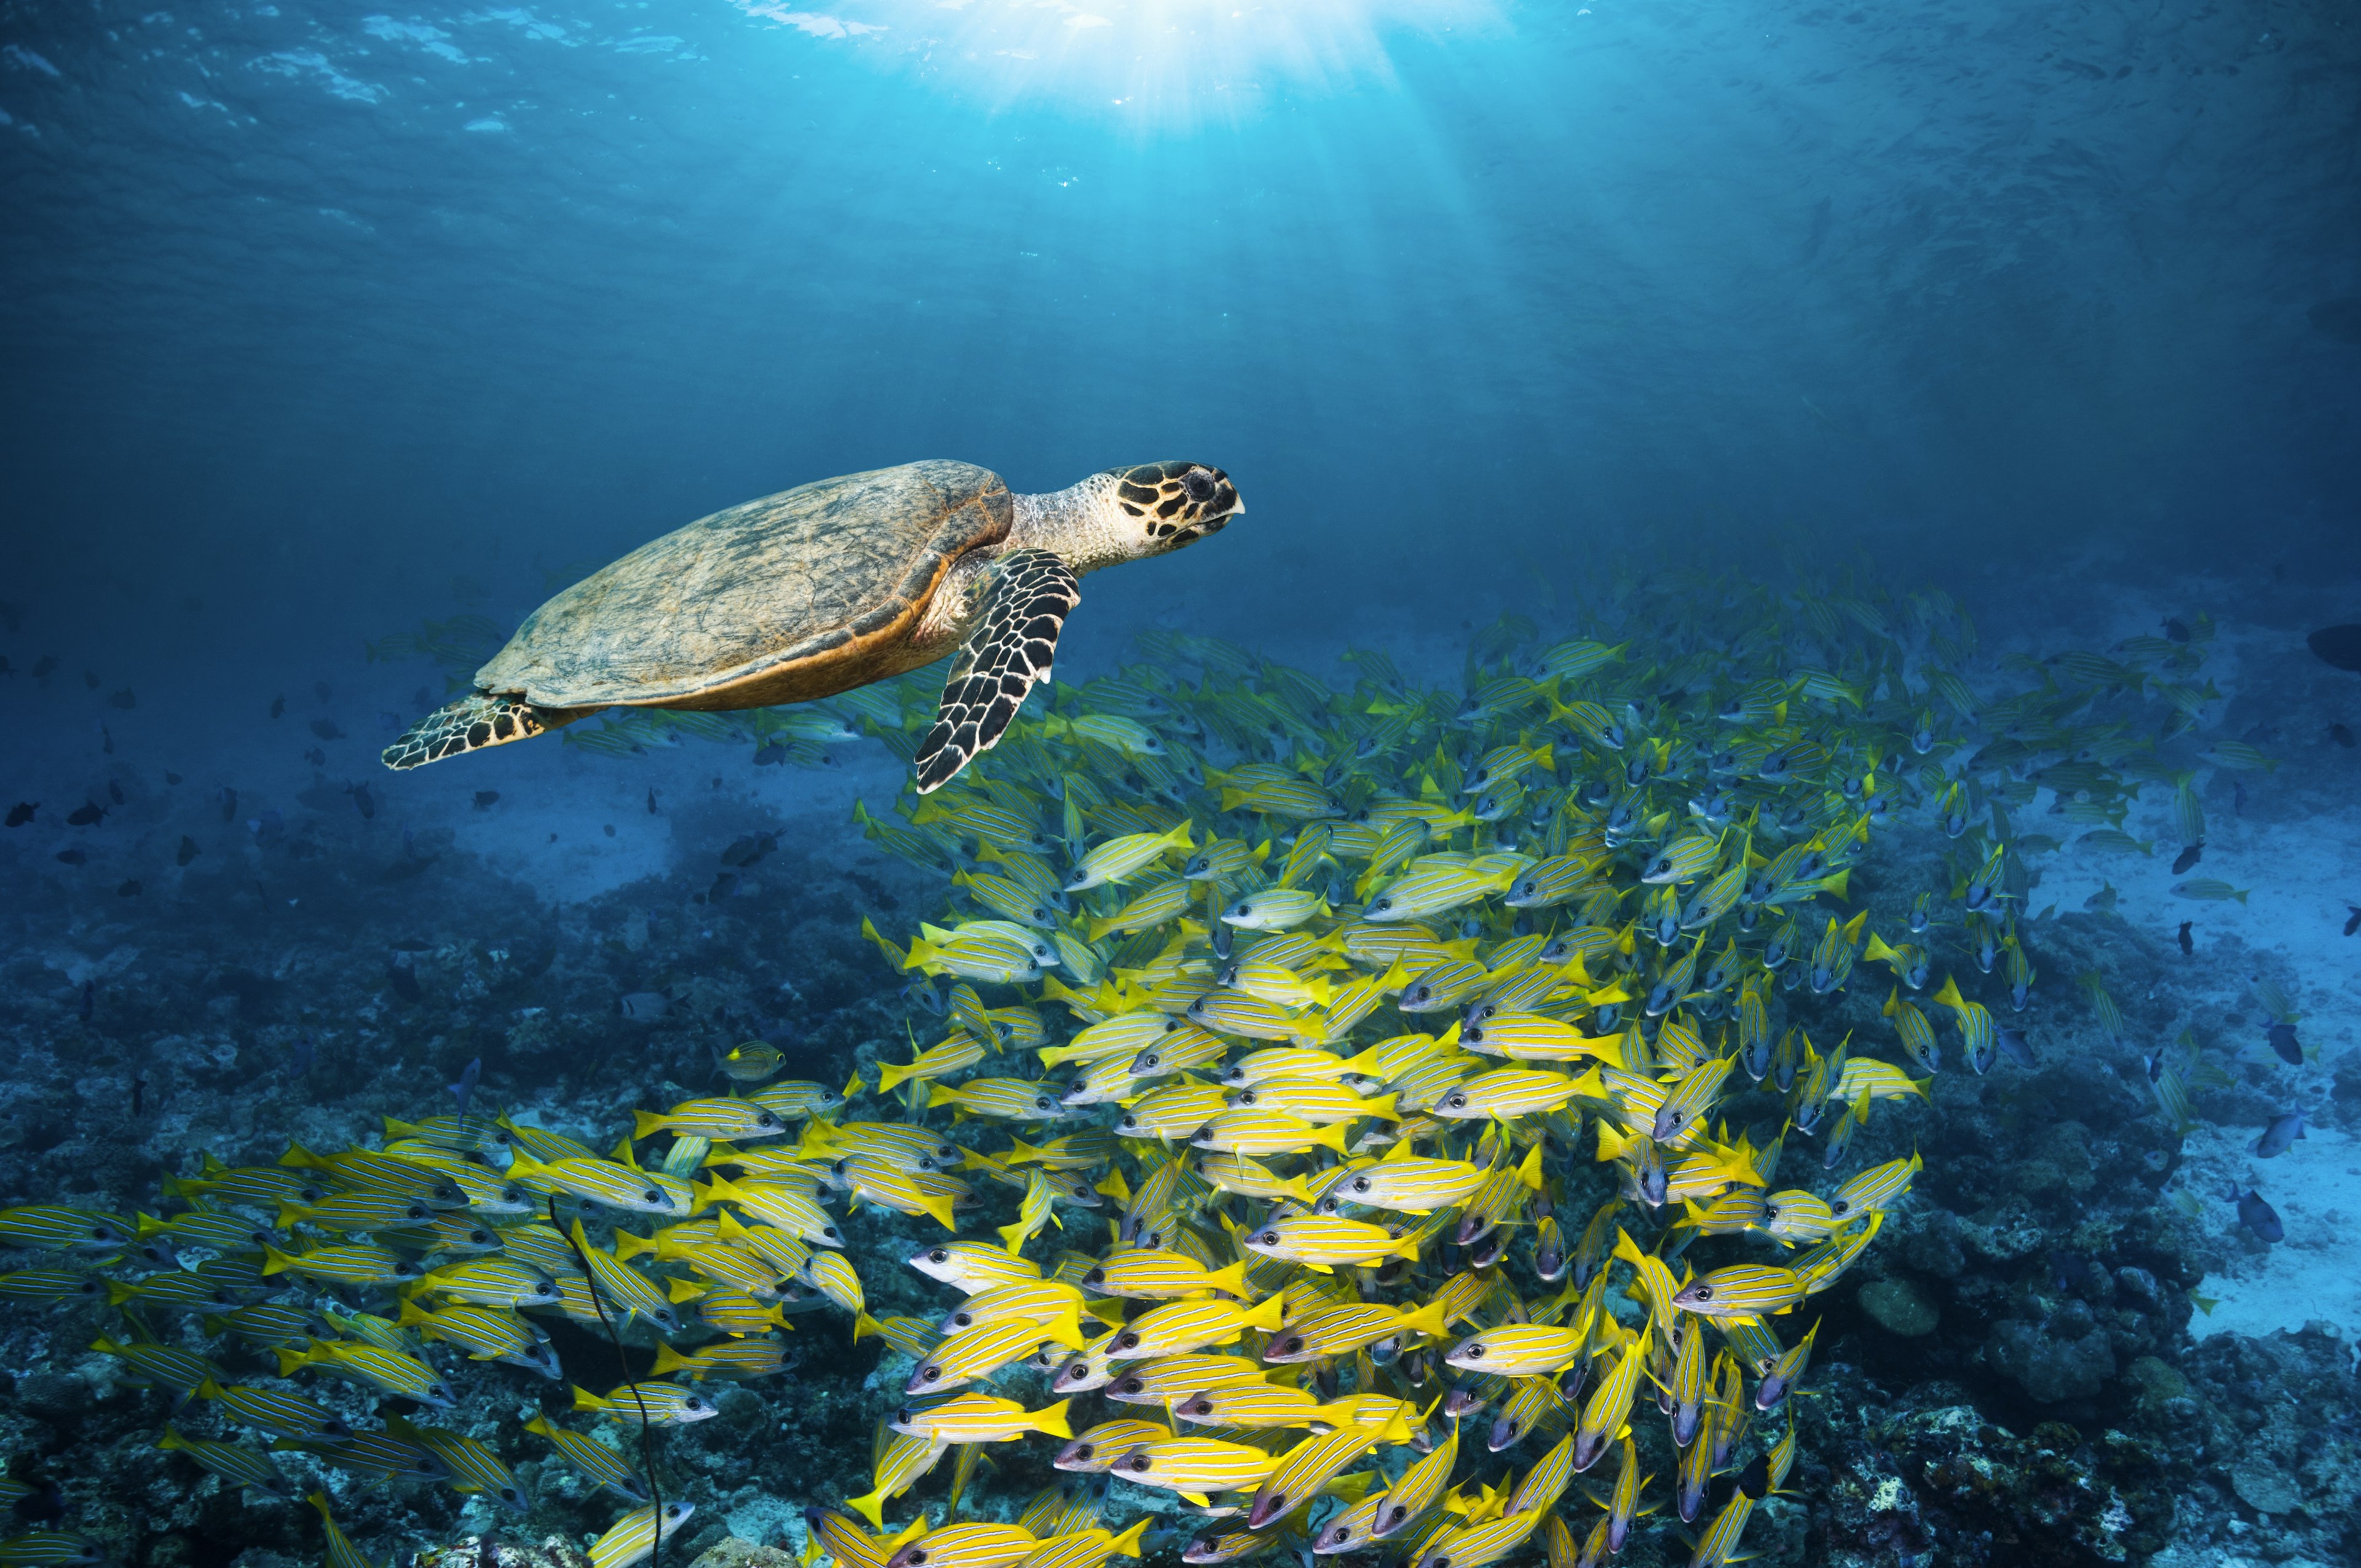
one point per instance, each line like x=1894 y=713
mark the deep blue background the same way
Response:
x=1459 y=293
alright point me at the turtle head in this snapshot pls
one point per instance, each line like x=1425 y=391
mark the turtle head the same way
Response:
x=1172 y=504
x=1126 y=514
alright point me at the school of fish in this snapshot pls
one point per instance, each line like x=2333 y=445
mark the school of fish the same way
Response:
x=1346 y=1112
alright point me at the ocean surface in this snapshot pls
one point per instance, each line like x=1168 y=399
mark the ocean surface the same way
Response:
x=1887 y=462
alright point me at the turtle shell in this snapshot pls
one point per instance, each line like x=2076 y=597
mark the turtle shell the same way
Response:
x=806 y=593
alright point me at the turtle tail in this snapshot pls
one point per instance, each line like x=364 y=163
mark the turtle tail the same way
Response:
x=470 y=724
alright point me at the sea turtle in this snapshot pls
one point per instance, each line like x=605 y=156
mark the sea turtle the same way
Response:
x=828 y=586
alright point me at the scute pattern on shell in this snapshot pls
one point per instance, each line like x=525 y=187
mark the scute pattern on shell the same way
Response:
x=756 y=590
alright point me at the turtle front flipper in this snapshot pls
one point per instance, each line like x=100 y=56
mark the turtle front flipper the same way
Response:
x=1026 y=605
x=470 y=724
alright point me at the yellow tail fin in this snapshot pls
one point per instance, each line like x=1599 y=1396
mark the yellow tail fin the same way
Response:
x=1230 y=1281
x=1127 y=1543
x=668 y=1360
x=1268 y=1315
x=870 y=1508
x=586 y=1400
x=1052 y=1422
x=647 y=1124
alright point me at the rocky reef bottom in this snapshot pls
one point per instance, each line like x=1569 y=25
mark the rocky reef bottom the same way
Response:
x=2013 y=1381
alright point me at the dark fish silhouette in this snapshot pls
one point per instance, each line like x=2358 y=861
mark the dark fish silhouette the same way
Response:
x=123 y=698
x=2340 y=735
x=743 y=853
x=2338 y=645
x=486 y=798
x=2188 y=944
x=465 y=1087
x=2350 y=925
x=114 y=792
x=106 y=739
x=325 y=729
x=2175 y=629
x=2258 y=1216
x=90 y=679
x=317 y=757
x=22 y=812
x=88 y=813
x=278 y=704
x=73 y=857
x=189 y=851
x=651 y=796
x=128 y=888
x=405 y=982
x=362 y=801
x=45 y=666
x=2015 y=1046
x=2187 y=858
x=170 y=777
x=2282 y=1039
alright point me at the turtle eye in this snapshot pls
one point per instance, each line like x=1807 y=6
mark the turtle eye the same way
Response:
x=1199 y=484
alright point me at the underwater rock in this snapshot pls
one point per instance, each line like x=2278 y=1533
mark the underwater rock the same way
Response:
x=1899 y=1307
x=494 y=1552
x=2051 y=1364
x=735 y=1552
x=2262 y=1486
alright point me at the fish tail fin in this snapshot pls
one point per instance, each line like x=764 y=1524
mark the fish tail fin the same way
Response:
x=1333 y=1137
x=410 y=1314
x=1230 y=1281
x=274 y=1261
x=1268 y=1314
x=628 y=1245
x=1053 y=1421
x=1427 y=1320
x=646 y=1125
x=890 y=1076
x=289 y=1360
x=940 y=1206
x=668 y=1360
x=870 y=1508
x=864 y=1325
x=586 y=1400
x=117 y=1292
x=1013 y=1237
x=1127 y=1543
x=1408 y=1247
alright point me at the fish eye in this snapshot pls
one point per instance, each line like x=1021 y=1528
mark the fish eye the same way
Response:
x=1133 y=1385
x=1839 y=1207
x=1243 y=909
x=1096 y=1277
x=918 y=1557
x=1138 y=1463
x=1268 y=1238
x=1360 y=1184
x=651 y=1196
x=1457 y=1101
x=1704 y=1292
x=928 y=1373
x=1473 y=1352
x=1042 y=1102
x=939 y=1255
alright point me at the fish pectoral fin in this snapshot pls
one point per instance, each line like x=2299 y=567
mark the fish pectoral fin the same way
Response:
x=1008 y=654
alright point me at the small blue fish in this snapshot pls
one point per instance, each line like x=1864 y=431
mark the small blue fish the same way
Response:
x=2283 y=1130
x=465 y=1087
x=2282 y=1039
x=2257 y=1215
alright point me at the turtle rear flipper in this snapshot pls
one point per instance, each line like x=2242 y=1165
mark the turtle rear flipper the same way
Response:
x=473 y=722
x=1030 y=594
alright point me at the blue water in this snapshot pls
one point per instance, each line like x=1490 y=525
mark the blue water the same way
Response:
x=309 y=307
